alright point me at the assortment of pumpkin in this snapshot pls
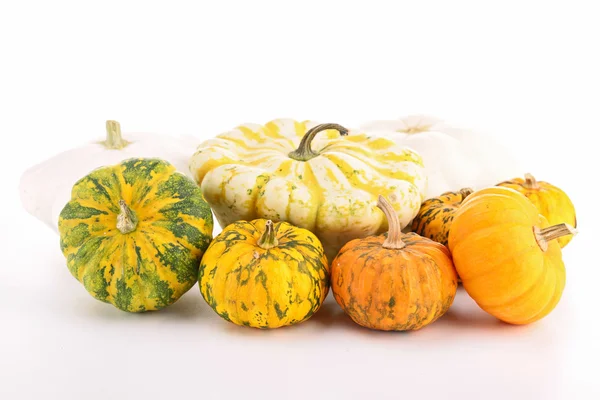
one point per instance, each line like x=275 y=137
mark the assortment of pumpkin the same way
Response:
x=306 y=207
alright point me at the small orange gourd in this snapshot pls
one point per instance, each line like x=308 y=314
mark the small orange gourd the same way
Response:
x=506 y=255
x=551 y=201
x=395 y=281
x=436 y=214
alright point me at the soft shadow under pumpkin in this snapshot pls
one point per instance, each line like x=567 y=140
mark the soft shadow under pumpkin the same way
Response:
x=185 y=309
x=465 y=315
x=332 y=316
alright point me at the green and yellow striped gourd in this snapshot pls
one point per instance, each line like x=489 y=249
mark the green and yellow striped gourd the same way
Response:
x=133 y=234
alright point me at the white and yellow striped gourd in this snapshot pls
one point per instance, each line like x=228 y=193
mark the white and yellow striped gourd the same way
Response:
x=326 y=183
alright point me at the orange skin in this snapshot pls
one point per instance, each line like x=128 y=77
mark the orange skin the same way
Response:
x=551 y=202
x=394 y=289
x=435 y=216
x=501 y=261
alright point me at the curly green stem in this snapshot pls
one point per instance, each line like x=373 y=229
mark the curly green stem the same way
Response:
x=304 y=152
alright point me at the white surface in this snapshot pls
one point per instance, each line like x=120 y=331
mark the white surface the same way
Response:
x=526 y=73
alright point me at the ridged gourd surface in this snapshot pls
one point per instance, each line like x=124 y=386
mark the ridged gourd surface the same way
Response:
x=394 y=289
x=551 y=201
x=499 y=259
x=152 y=266
x=436 y=215
x=247 y=173
x=264 y=288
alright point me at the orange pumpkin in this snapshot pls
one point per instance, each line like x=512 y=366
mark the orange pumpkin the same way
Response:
x=551 y=202
x=436 y=214
x=506 y=255
x=396 y=281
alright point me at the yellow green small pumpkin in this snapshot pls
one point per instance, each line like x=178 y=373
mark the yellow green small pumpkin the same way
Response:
x=551 y=201
x=264 y=275
x=133 y=234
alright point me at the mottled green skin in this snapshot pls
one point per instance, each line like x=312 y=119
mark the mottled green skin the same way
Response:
x=264 y=288
x=436 y=215
x=394 y=289
x=152 y=266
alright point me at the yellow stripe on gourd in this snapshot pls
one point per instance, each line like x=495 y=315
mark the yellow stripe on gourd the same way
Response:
x=327 y=170
x=273 y=131
x=285 y=168
x=300 y=128
x=252 y=136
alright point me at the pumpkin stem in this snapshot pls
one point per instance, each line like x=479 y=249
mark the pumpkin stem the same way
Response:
x=304 y=152
x=464 y=192
x=114 y=140
x=415 y=129
x=394 y=238
x=126 y=220
x=543 y=236
x=268 y=239
x=530 y=182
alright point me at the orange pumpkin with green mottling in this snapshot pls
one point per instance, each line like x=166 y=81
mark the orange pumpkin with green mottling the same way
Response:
x=395 y=281
x=551 y=201
x=133 y=234
x=264 y=275
x=435 y=216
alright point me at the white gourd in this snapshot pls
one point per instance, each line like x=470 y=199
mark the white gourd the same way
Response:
x=454 y=158
x=46 y=187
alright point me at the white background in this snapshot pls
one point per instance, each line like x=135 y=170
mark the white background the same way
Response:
x=526 y=72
